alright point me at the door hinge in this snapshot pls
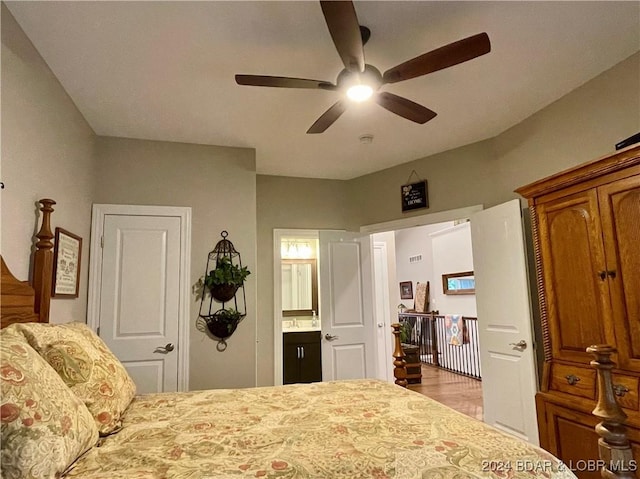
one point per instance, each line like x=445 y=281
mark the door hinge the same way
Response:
x=101 y=241
x=98 y=331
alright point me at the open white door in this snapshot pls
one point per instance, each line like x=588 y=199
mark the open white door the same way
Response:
x=346 y=306
x=382 y=316
x=504 y=320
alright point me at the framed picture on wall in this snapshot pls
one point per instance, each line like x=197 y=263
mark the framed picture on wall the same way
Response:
x=66 y=264
x=459 y=283
x=406 y=290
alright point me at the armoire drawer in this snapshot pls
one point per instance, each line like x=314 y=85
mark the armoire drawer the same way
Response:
x=574 y=380
x=626 y=389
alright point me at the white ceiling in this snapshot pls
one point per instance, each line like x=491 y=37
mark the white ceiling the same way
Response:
x=165 y=71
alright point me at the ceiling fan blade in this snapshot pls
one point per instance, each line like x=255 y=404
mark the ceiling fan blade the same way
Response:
x=328 y=117
x=283 y=82
x=404 y=108
x=344 y=29
x=443 y=57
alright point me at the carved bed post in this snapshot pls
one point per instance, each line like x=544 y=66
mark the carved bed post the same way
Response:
x=399 y=369
x=43 y=263
x=614 y=448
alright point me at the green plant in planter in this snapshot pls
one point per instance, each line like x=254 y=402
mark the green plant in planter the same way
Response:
x=228 y=317
x=405 y=331
x=225 y=279
x=224 y=322
x=226 y=273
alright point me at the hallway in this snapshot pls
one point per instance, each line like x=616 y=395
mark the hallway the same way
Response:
x=458 y=392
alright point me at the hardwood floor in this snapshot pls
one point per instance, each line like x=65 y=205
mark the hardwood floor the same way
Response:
x=458 y=392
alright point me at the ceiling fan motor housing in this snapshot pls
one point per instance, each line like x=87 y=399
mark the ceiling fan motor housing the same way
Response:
x=370 y=76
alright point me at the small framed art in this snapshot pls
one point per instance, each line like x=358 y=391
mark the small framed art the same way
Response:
x=406 y=290
x=66 y=264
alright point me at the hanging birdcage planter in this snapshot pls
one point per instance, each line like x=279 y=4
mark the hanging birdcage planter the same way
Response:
x=223 y=303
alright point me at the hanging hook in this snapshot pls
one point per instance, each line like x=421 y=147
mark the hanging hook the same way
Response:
x=413 y=173
x=224 y=234
x=222 y=345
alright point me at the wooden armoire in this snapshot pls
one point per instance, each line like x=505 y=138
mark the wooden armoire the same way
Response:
x=586 y=231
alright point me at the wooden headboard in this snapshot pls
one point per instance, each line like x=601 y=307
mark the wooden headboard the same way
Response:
x=23 y=302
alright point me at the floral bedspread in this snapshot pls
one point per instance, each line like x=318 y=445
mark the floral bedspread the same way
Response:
x=344 y=429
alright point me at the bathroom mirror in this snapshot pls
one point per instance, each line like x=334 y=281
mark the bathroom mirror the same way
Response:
x=299 y=287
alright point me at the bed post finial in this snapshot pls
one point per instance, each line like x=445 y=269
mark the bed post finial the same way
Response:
x=400 y=368
x=43 y=262
x=613 y=445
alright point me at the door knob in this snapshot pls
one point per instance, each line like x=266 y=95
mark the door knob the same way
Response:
x=381 y=325
x=521 y=345
x=330 y=337
x=165 y=349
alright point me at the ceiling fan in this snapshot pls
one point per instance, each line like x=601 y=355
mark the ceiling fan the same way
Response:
x=361 y=81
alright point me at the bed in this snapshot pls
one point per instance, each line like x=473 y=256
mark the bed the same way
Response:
x=69 y=409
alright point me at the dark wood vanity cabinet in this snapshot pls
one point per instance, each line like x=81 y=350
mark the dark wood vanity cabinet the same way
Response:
x=302 y=358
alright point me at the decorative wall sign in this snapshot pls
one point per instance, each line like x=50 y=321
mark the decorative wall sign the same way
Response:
x=66 y=264
x=415 y=196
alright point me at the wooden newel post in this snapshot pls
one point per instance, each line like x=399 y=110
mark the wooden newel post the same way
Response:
x=614 y=448
x=43 y=262
x=399 y=364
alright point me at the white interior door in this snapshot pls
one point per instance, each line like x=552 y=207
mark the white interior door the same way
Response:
x=507 y=356
x=346 y=287
x=139 y=304
x=382 y=315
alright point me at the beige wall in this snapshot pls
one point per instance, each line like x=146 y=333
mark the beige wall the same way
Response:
x=47 y=152
x=455 y=179
x=219 y=185
x=579 y=127
x=290 y=203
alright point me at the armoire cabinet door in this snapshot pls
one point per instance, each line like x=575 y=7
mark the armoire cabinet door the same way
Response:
x=564 y=427
x=572 y=438
x=620 y=213
x=577 y=295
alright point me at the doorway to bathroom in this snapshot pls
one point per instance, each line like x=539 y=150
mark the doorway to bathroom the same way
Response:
x=340 y=327
x=297 y=314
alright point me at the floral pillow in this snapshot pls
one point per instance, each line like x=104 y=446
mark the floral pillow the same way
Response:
x=87 y=366
x=45 y=427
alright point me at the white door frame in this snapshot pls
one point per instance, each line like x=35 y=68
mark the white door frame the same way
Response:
x=422 y=220
x=95 y=271
x=278 y=234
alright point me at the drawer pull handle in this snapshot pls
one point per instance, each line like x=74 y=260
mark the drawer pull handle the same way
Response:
x=572 y=379
x=620 y=390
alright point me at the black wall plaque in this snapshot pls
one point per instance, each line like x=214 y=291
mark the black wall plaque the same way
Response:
x=415 y=196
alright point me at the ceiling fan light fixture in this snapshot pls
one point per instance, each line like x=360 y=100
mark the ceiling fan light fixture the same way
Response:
x=359 y=93
x=359 y=81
